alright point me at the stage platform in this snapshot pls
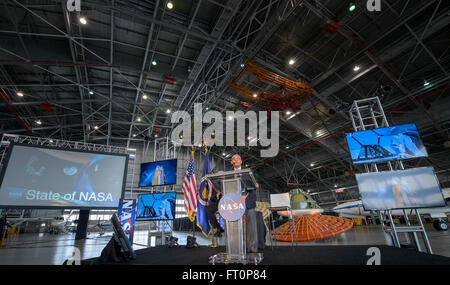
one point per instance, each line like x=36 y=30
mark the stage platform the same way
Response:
x=284 y=255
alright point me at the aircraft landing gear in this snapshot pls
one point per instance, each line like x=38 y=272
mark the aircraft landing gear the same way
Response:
x=440 y=225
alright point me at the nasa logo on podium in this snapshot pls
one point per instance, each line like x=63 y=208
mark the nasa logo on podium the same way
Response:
x=232 y=206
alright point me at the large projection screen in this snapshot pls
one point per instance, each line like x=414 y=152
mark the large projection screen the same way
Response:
x=46 y=177
x=383 y=144
x=401 y=189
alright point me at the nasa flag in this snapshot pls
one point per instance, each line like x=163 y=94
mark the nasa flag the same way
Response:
x=202 y=199
x=127 y=217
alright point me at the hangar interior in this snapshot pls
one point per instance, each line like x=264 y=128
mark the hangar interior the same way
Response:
x=109 y=77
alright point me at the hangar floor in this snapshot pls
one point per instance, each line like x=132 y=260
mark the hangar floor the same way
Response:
x=46 y=249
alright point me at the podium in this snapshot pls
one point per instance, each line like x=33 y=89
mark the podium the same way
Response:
x=235 y=231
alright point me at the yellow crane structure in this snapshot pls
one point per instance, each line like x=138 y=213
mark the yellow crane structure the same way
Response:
x=274 y=91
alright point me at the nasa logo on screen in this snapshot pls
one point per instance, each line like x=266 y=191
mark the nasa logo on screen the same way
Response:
x=15 y=194
x=232 y=206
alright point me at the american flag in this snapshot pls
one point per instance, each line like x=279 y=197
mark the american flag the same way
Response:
x=190 y=191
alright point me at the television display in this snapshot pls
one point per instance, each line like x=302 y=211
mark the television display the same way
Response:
x=412 y=188
x=397 y=142
x=45 y=177
x=158 y=173
x=156 y=206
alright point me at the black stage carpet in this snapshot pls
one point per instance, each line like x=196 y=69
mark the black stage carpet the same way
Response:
x=303 y=255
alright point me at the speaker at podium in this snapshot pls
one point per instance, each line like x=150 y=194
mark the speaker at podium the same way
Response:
x=234 y=184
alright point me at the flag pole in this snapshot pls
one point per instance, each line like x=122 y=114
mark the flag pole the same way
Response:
x=193 y=222
x=213 y=240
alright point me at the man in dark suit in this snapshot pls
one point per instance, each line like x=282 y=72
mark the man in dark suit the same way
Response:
x=250 y=214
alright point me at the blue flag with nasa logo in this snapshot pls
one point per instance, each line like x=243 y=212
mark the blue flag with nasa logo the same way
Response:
x=127 y=217
x=202 y=199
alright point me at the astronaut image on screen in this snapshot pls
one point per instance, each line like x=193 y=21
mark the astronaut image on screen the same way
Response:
x=50 y=177
x=89 y=178
x=158 y=206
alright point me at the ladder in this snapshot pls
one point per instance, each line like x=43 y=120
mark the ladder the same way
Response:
x=368 y=114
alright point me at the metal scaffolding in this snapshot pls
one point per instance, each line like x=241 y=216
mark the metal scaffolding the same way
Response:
x=368 y=114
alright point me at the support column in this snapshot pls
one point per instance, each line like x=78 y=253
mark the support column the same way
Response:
x=82 y=225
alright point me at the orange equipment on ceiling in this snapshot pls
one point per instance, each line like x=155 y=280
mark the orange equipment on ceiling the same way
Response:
x=283 y=93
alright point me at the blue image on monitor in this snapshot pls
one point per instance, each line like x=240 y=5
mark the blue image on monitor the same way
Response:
x=158 y=173
x=156 y=206
x=397 y=142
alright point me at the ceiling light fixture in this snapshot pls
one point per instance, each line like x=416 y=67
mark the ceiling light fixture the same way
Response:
x=352 y=7
x=91 y=92
x=255 y=95
x=83 y=20
x=169 y=5
x=144 y=97
x=38 y=122
x=96 y=127
x=20 y=94
x=426 y=83
x=154 y=62
x=356 y=68
x=291 y=61
x=168 y=111
x=138 y=119
x=312 y=164
x=242 y=65
x=288 y=113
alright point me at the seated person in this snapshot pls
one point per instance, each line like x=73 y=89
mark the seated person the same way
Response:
x=211 y=209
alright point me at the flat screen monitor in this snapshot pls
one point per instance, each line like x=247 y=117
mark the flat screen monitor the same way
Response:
x=47 y=177
x=397 y=142
x=412 y=188
x=156 y=206
x=158 y=173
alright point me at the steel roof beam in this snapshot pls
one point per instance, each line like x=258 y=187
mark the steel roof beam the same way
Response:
x=111 y=59
x=149 y=38
x=181 y=44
